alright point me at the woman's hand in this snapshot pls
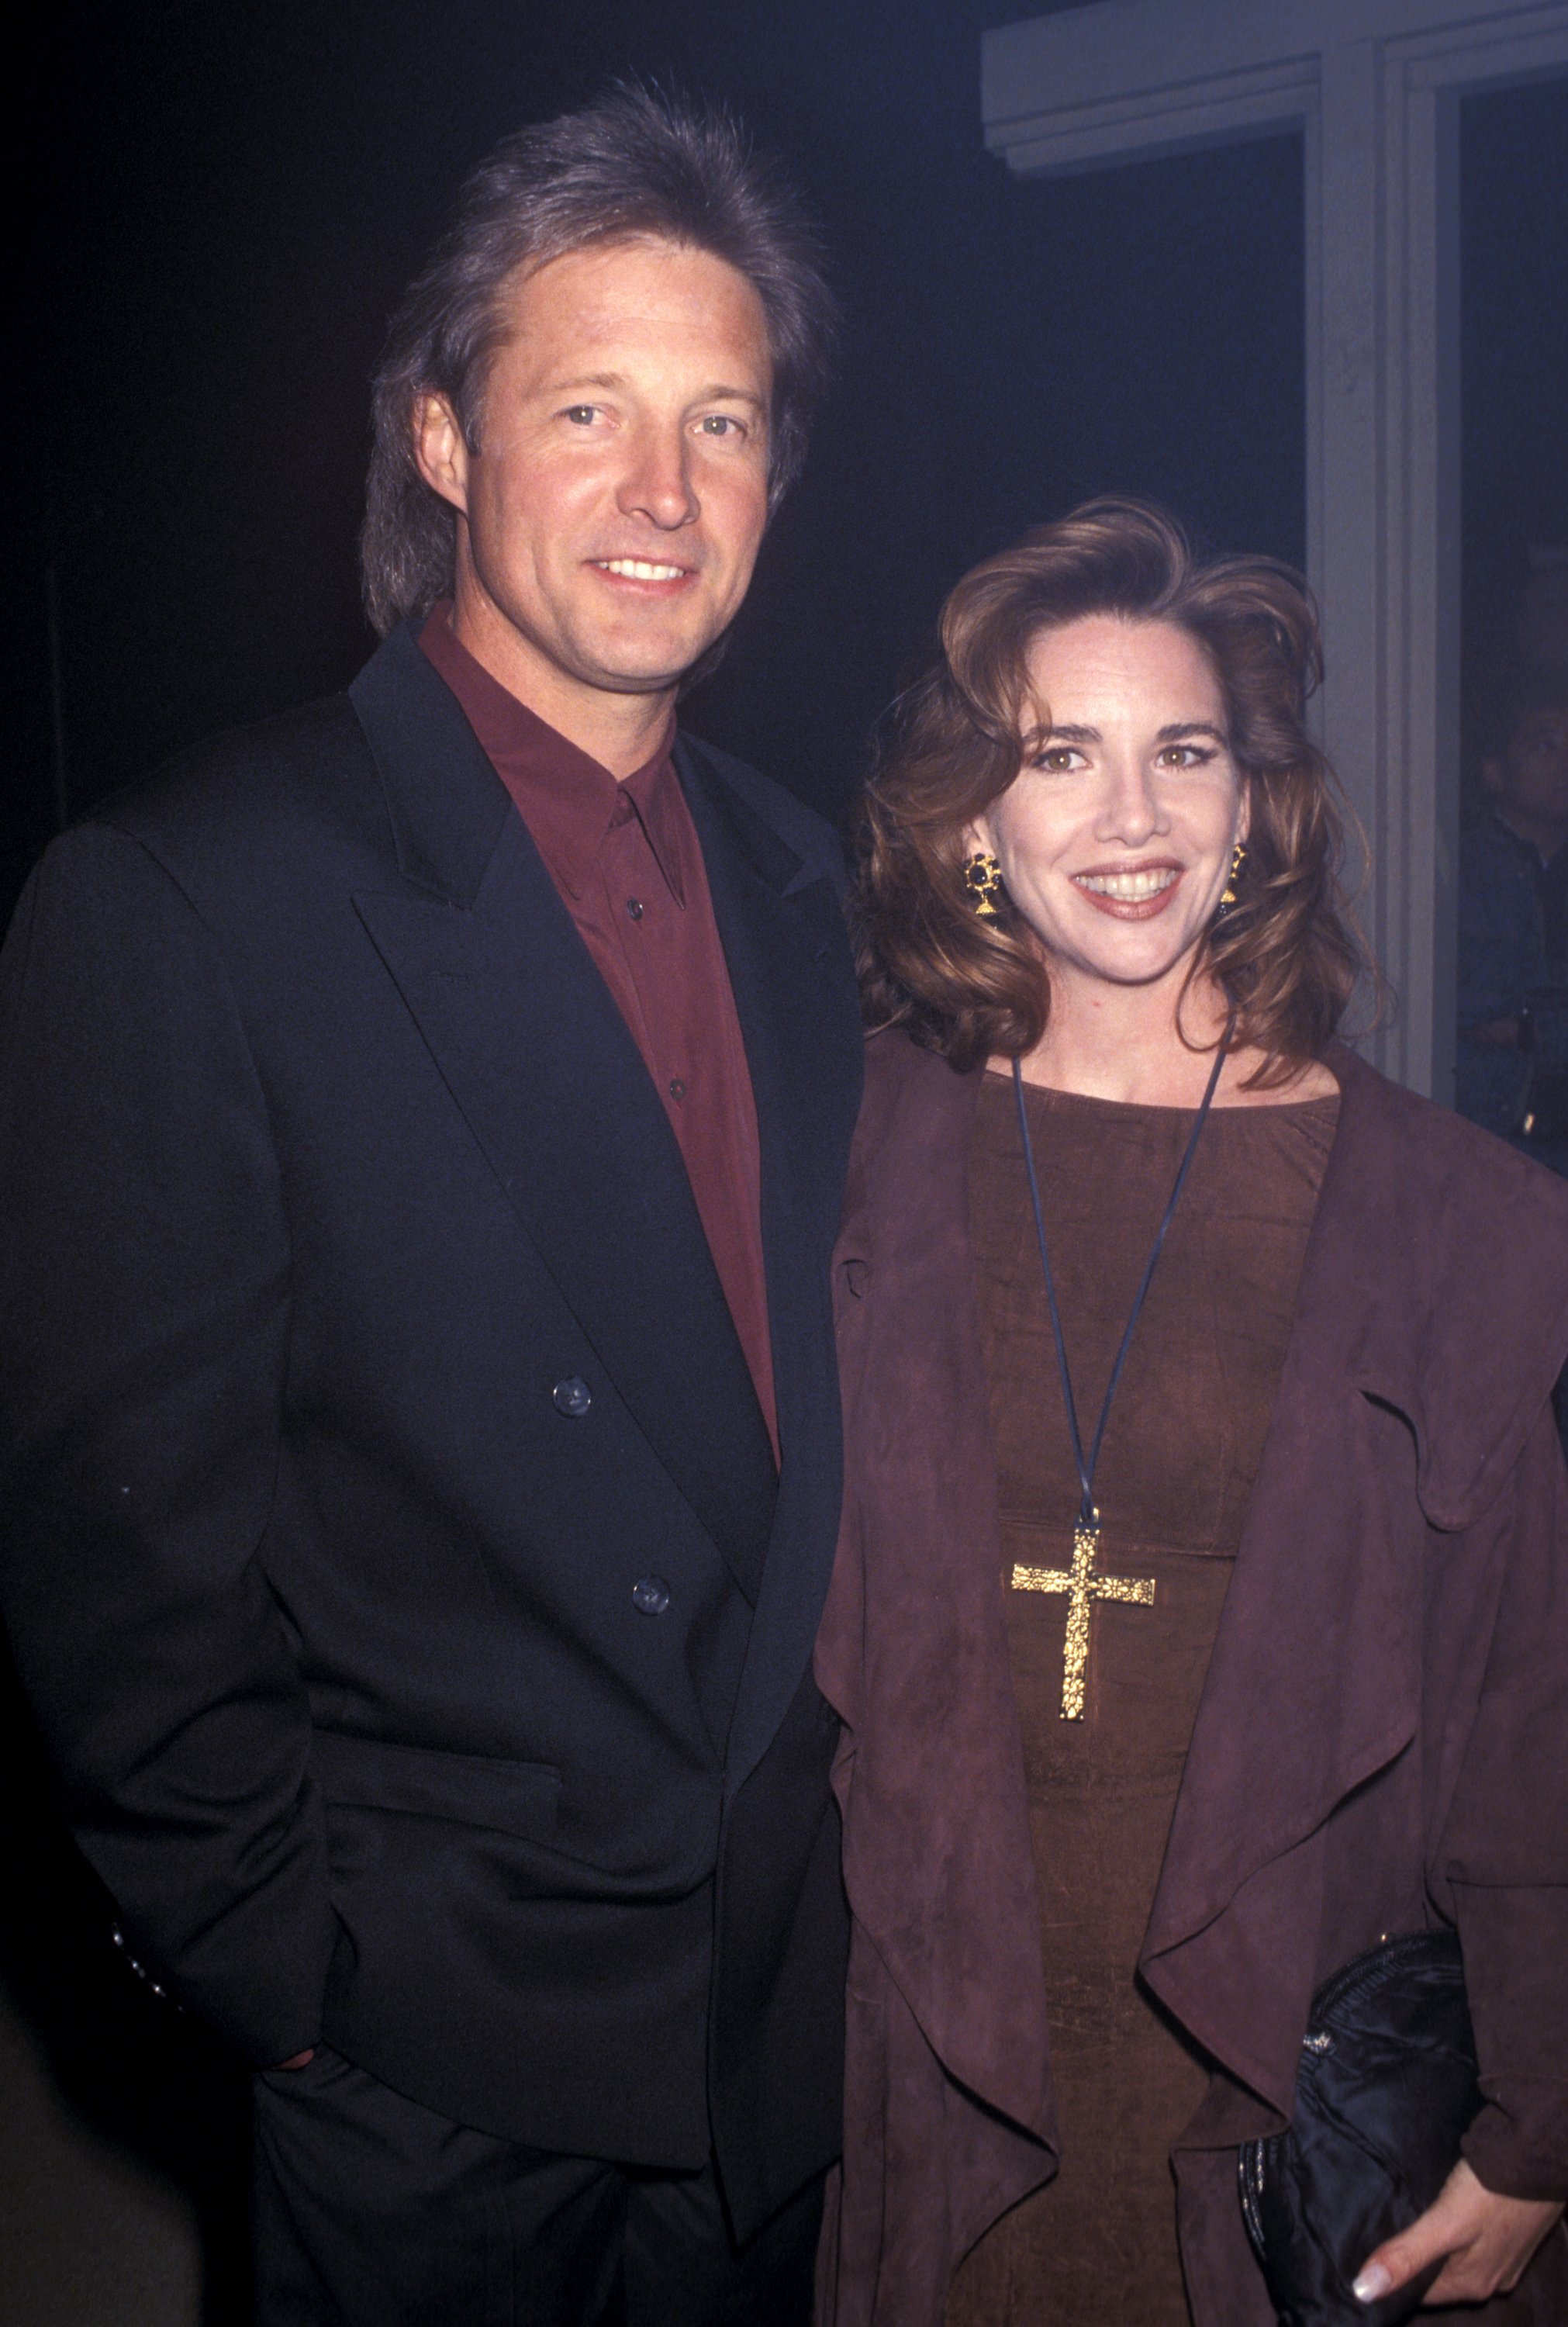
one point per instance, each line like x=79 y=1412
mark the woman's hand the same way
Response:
x=1488 y=2240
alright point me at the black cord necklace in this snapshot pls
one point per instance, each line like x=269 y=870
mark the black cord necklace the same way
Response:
x=1083 y=1582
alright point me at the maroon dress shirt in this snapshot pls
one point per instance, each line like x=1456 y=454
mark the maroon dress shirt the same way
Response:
x=627 y=862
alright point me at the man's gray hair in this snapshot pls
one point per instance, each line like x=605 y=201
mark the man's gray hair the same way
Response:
x=635 y=164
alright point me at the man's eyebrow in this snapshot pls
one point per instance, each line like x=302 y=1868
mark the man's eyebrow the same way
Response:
x=587 y=379
x=719 y=394
x=615 y=380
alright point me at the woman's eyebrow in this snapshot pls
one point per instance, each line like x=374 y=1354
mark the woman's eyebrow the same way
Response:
x=1176 y=731
x=1181 y=729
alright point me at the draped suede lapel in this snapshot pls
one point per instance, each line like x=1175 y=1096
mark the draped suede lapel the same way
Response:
x=1314 y=1684
x=547 y=1077
x=782 y=929
x=1311 y=1663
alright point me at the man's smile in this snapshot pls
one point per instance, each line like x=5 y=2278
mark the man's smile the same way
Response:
x=640 y=569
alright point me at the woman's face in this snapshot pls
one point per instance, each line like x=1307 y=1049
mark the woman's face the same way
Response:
x=1115 y=839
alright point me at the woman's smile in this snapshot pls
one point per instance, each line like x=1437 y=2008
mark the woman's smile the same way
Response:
x=1130 y=892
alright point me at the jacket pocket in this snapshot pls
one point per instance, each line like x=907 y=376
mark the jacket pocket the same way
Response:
x=518 y=1797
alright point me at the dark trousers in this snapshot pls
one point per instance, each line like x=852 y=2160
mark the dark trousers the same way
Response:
x=372 y=2211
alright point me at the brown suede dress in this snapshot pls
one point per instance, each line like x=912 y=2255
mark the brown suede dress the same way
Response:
x=1096 y=2247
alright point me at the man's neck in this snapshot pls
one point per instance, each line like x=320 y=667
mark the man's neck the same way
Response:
x=1544 y=834
x=621 y=730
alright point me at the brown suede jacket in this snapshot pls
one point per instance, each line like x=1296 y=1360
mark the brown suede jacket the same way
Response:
x=1383 y=1739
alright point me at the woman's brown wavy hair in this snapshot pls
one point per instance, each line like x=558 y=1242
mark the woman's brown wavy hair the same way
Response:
x=1287 y=952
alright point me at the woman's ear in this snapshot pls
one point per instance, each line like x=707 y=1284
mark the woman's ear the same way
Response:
x=1244 y=821
x=978 y=839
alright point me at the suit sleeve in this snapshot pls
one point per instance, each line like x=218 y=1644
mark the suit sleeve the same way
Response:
x=1505 y=1855
x=1501 y=946
x=144 y=1318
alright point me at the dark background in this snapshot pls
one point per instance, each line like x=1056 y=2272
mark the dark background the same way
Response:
x=1514 y=179
x=237 y=194
x=223 y=203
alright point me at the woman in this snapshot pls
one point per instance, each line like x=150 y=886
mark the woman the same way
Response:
x=1143 y=1744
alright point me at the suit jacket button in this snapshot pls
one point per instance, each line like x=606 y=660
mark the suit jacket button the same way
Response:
x=573 y=1397
x=651 y=1594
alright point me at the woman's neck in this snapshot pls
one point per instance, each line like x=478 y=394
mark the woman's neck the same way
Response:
x=1122 y=1043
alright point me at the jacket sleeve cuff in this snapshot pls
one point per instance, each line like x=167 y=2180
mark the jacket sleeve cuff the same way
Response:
x=254 y=1968
x=1521 y=2151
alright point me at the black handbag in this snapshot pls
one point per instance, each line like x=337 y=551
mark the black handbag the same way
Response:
x=1385 y=2092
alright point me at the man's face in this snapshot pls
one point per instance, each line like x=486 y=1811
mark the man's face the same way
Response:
x=1531 y=777
x=610 y=514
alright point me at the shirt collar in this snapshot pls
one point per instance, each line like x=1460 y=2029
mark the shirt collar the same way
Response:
x=1555 y=863
x=567 y=800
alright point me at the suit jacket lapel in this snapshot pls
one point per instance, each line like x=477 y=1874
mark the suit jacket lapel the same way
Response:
x=783 y=934
x=550 y=1081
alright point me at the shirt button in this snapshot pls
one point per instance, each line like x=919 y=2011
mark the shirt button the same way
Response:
x=677 y=1088
x=650 y=1594
x=573 y=1397
x=634 y=907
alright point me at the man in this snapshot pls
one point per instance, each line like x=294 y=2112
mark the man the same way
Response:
x=426 y=1127
x=1513 y=941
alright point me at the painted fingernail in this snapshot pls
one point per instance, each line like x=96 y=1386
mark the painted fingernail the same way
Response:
x=1374 y=2283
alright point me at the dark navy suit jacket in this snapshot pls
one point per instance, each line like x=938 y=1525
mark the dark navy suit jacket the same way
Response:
x=361 y=1354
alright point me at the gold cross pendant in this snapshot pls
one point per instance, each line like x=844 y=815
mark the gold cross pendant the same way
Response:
x=1082 y=1584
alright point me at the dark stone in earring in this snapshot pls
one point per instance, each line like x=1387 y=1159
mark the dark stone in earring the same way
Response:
x=983 y=880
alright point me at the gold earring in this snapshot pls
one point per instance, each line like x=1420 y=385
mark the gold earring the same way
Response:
x=983 y=880
x=1238 y=859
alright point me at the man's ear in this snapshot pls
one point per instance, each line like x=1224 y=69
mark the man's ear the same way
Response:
x=1492 y=778
x=440 y=450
